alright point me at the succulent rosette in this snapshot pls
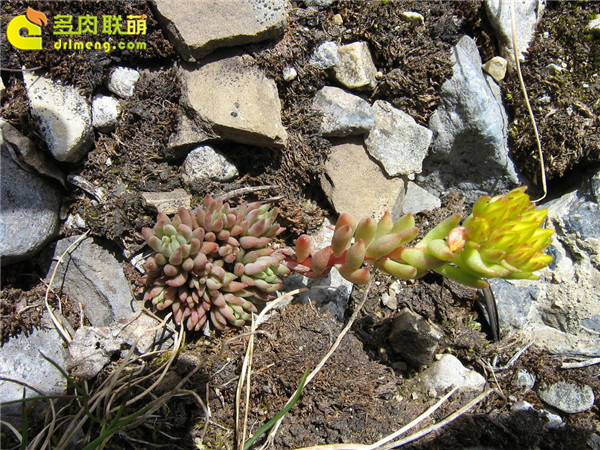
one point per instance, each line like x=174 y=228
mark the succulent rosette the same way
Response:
x=215 y=261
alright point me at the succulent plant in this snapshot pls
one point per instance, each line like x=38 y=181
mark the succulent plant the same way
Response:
x=219 y=261
x=215 y=260
x=500 y=239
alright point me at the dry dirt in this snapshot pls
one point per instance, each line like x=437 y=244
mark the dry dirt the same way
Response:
x=365 y=391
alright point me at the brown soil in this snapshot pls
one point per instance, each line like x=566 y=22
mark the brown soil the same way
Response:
x=365 y=391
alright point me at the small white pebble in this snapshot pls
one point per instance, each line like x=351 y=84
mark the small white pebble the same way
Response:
x=289 y=74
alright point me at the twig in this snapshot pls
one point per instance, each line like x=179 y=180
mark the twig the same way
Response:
x=238 y=336
x=13 y=430
x=82 y=183
x=6 y=69
x=277 y=302
x=515 y=357
x=336 y=447
x=244 y=377
x=526 y=98
x=580 y=364
x=242 y=191
x=441 y=424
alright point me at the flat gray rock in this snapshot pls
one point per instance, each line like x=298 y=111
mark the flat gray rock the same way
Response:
x=201 y=26
x=93 y=277
x=344 y=114
x=21 y=358
x=568 y=397
x=236 y=100
x=62 y=115
x=29 y=214
x=187 y=136
x=167 y=202
x=92 y=347
x=418 y=199
x=397 y=141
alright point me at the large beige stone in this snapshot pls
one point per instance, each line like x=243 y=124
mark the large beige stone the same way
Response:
x=197 y=27
x=355 y=184
x=236 y=100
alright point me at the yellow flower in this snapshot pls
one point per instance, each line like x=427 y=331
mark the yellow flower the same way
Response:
x=502 y=239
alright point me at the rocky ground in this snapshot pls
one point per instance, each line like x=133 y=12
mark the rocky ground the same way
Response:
x=318 y=107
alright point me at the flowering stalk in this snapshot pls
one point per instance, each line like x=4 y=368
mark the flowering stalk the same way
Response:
x=500 y=239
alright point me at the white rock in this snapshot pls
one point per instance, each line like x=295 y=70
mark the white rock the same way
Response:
x=448 y=372
x=63 y=117
x=74 y=221
x=418 y=199
x=527 y=13
x=236 y=100
x=2 y=88
x=594 y=26
x=343 y=113
x=319 y=3
x=325 y=56
x=397 y=141
x=496 y=67
x=289 y=74
x=201 y=26
x=205 y=162
x=355 y=68
x=525 y=379
x=105 y=113
x=413 y=17
x=122 y=81
x=355 y=184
